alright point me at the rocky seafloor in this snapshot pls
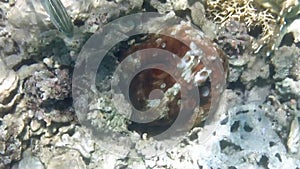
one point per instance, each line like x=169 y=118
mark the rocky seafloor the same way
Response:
x=257 y=124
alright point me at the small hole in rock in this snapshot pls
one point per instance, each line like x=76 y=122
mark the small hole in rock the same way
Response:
x=235 y=126
x=264 y=161
x=287 y=40
x=271 y=143
x=193 y=136
x=232 y=167
x=255 y=31
x=78 y=22
x=247 y=128
x=226 y=144
x=224 y=121
x=242 y=112
x=278 y=156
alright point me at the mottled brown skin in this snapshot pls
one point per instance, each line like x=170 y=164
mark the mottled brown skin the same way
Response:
x=148 y=80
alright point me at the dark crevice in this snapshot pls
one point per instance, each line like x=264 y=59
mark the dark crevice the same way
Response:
x=78 y=22
x=235 y=126
x=264 y=161
x=148 y=7
x=183 y=13
x=226 y=144
x=224 y=121
x=278 y=156
x=255 y=31
x=287 y=40
x=24 y=62
x=232 y=167
x=238 y=85
x=242 y=112
x=271 y=143
x=247 y=128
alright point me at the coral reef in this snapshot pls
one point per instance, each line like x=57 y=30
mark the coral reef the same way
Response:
x=247 y=12
x=255 y=121
x=236 y=43
x=285 y=62
x=11 y=146
x=272 y=19
x=48 y=94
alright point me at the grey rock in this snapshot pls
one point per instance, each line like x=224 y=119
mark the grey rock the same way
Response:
x=256 y=69
x=288 y=88
x=29 y=162
x=9 y=84
x=67 y=160
x=284 y=61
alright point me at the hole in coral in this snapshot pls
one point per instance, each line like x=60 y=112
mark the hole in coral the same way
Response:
x=247 y=128
x=232 y=167
x=238 y=87
x=1 y=14
x=242 y=112
x=255 y=31
x=148 y=7
x=235 y=126
x=162 y=1
x=278 y=156
x=224 y=121
x=287 y=40
x=271 y=143
x=264 y=161
x=183 y=13
x=24 y=62
x=193 y=136
x=78 y=22
x=227 y=146
x=230 y=51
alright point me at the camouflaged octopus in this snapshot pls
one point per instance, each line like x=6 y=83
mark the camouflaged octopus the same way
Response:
x=202 y=65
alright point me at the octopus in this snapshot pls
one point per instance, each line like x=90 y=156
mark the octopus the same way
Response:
x=163 y=93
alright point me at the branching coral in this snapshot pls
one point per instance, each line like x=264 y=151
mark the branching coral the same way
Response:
x=224 y=11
